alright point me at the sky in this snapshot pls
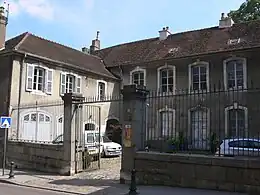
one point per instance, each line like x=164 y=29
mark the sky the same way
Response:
x=75 y=23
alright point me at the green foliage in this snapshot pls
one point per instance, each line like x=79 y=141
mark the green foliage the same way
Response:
x=248 y=11
x=177 y=141
x=213 y=142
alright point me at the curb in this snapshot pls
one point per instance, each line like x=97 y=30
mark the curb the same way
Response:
x=5 y=181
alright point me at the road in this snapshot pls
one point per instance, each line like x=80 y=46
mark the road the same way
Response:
x=8 y=189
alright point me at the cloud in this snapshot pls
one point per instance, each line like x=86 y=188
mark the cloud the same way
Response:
x=41 y=9
x=59 y=11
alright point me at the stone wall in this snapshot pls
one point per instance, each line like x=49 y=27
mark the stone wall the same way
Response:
x=37 y=157
x=198 y=171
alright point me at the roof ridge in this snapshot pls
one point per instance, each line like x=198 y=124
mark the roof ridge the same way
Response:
x=132 y=42
x=91 y=55
x=65 y=46
x=26 y=34
x=177 y=33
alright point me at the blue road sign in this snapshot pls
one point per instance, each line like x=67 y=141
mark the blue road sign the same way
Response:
x=6 y=122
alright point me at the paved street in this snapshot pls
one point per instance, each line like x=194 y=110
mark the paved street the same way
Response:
x=100 y=182
x=8 y=189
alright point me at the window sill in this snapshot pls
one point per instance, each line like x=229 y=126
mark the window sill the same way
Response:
x=166 y=93
x=236 y=90
x=38 y=93
x=199 y=91
x=73 y=94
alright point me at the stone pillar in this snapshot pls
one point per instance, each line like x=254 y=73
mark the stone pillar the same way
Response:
x=79 y=137
x=134 y=109
x=71 y=125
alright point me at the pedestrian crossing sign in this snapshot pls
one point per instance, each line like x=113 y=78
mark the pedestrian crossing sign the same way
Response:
x=6 y=122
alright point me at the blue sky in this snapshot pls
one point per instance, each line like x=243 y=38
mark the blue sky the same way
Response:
x=119 y=21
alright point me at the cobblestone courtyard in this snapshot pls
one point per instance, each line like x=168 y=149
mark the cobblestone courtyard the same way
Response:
x=89 y=181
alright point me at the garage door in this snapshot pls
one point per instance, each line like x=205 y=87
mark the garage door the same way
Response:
x=36 y=127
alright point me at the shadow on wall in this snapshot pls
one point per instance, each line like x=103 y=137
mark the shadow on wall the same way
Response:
x=113 y=124
x=114 y=130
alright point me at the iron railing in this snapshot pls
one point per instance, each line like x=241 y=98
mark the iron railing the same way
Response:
x=202 y=121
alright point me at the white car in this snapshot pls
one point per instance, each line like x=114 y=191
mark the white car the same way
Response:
x=239 y=147
x=109 y=148
x=90 y=143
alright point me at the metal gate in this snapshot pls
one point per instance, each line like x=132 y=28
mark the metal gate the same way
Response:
x=93 y=120
x=91 y=127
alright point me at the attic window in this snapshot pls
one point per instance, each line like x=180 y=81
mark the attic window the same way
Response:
x=233 y=41
x=173 y=50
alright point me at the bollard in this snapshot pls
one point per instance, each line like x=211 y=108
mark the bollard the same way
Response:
x=11 y=173
x=132 y=189
x=146 y=148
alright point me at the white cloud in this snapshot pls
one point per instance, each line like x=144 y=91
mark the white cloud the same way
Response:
x=41 y=9
x=51 y=10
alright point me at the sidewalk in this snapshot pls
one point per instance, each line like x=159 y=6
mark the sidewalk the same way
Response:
x=86 y=184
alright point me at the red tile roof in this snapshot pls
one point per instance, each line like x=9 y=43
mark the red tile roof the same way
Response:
x=35 y=45
x=204 y=41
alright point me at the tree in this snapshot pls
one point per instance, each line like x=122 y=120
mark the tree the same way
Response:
x=249 y=10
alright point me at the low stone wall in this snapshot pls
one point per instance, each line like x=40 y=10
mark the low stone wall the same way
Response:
x=198 y=171
x=35 y=156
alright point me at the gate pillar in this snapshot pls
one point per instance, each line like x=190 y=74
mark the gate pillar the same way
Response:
x=134 y=110
x=72 y=135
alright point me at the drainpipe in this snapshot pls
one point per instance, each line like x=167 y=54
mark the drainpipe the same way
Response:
x=20 y=94
x=121 y=76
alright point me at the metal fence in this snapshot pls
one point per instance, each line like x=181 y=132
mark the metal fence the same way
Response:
x=202 y=122
x=39 y=122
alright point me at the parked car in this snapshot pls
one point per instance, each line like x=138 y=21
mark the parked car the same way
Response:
x=239 y=147
x=109 y=148
x=90 y=144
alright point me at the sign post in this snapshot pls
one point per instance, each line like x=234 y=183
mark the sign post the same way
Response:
x=5 y=124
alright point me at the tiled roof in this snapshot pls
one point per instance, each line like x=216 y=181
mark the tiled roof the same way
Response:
x=35 y=45
x=204 y=41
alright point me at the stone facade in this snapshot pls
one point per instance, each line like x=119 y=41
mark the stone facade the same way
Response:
x=38 y=101
x=216 y=101
x=197 y=171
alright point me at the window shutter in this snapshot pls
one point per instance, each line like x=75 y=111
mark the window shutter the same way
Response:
x=49 y=81
x=62 y=83
x=29 y=78
x=78 y=84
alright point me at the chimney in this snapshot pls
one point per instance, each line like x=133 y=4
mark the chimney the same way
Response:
x=3 y=23
x=85 y=50
x=225 y=21
x=95 y=44
x=164 y=33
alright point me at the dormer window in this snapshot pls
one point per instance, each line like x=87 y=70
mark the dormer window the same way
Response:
x=138 y=76
x=173 y=50
x=233 y=41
